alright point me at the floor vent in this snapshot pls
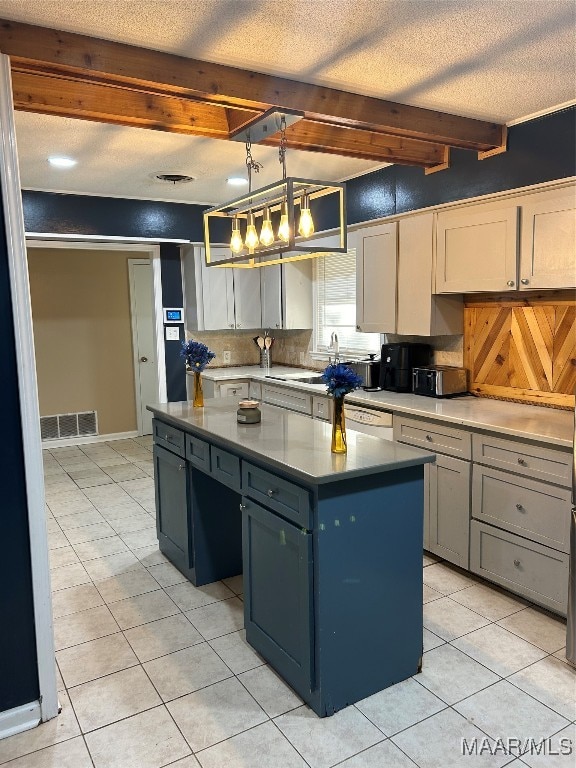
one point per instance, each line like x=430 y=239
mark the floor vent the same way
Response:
x=66 y=425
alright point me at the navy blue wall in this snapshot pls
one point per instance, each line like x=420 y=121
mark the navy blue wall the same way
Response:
x=18 y=670
x=539 y=150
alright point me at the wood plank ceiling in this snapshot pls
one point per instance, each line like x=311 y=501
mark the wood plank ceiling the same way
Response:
x=72 y=75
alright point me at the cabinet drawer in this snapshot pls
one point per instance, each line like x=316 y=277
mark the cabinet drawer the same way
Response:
x=539 y=511
x=287 y=398
x=225 y=467
x=321 y=407
x=433 y=437
x=286 y=498
x=198 y=452
x=168 y=437
x=233 y=389
x=523 y=458
x=529 y=569
x=255 y=390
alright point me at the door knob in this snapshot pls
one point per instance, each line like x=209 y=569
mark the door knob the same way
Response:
x=517 y=563
x=143 y=359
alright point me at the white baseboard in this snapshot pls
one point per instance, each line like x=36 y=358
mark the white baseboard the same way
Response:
x=19 y=719
x=65 y=442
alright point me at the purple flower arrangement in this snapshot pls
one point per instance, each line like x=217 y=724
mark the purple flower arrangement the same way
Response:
x=196 y=354
x=340 y=380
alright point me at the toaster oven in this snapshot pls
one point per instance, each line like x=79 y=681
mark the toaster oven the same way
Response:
x=439 y=381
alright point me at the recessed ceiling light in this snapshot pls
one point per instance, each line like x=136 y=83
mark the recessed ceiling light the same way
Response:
x=62 y=162
x=237 y=181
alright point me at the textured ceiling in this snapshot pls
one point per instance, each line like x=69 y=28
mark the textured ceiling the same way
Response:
x=498 y=60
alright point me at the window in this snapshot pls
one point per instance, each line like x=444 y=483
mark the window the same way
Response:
x=335 y=306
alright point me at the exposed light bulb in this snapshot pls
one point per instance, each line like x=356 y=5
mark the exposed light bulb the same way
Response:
x=251 y=234
x=306 y=225
x=284 y=227
x=266 y=233
x=236 y=244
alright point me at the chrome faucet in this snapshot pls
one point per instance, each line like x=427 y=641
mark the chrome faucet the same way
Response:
x=334 y=347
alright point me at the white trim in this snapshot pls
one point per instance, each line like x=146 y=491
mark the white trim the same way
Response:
x=65 y=442
x=19 y=719
x=542 y=113
x=104 y=238
x=119 y=197
x=29 y=410
x=159 y=315
x=133 y=324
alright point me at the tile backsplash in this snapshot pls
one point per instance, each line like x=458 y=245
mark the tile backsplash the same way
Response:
x=294 y=347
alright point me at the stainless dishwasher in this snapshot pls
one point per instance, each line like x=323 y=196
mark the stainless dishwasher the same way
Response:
x=371 y=421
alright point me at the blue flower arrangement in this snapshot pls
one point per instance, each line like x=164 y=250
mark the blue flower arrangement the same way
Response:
x=340 y=380
x=196 y=354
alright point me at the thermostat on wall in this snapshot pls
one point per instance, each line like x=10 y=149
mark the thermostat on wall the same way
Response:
x=174 y=315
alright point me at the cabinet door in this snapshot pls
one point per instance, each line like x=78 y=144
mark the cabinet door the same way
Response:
x=449 y=509
x=247 y=301
x=172 y=513
x=278 y=620
x=420 y=313
x=548 y=244
x=476 y=249
x=376 y=266
x=217 y=295
x=271 y=291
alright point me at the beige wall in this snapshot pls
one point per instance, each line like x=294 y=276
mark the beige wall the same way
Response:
x=82 y=334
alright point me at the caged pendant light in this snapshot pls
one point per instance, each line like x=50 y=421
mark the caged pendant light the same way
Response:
x=275 y=224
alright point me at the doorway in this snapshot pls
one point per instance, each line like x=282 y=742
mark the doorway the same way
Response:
x=97 y=312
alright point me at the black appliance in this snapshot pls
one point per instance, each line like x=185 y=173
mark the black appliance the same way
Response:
x=397 y=361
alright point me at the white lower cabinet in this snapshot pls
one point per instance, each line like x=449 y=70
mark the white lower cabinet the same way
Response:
x=285 y=397
x=498 y=507
x=447 y=485
x=448 y=509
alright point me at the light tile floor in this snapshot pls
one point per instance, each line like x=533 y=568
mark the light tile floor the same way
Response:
x=155 y=672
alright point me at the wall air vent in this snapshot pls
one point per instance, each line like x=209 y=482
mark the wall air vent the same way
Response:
x=66 y=425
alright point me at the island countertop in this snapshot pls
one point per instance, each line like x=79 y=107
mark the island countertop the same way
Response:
x=295 y=444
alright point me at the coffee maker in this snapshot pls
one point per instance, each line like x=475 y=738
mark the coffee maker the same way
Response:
x=397 y=362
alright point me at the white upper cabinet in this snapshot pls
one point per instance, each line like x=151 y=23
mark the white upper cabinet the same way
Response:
x=376 y=265
x=548 y=240
x=217 y=297
x=526 y=242
x=477 y=249
x=287 y=295
x=247 y=302
x=420 y=313
x=271 y=291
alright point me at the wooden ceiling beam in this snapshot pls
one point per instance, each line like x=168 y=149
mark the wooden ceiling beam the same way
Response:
x=322 y=137
x=144 y=69
x=92 y=101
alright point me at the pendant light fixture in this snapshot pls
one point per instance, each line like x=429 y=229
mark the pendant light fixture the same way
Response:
x=287 y=212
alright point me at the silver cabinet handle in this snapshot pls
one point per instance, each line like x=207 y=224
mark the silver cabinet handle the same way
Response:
x=277 y=325
x=525 y=281
x=517 y=563
x=231 y=325
x=243 y=507
x=143 y=359
x=166 y=437
x=238 y=325
x=357 y=327
x=510 y=283
x=429 y=438
x=521 y=461
x=519 y=507
x=271 y=492
x=181 y=466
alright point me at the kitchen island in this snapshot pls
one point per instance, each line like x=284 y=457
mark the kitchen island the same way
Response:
x=330 y=545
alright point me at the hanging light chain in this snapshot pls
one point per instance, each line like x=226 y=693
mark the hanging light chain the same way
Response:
x=251 y=164
x=282 y=146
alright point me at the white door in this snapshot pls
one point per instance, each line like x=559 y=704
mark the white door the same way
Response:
x=142 y=305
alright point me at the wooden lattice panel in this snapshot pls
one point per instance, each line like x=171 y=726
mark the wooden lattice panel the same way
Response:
x=522 y=349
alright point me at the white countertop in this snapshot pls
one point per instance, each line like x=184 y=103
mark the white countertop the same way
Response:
x=531 y=422
x=295 y=444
